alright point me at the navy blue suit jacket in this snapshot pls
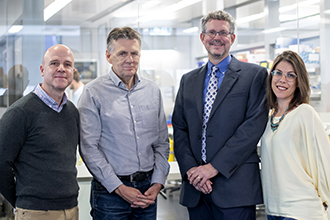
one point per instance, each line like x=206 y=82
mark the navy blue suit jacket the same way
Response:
x=237 y=121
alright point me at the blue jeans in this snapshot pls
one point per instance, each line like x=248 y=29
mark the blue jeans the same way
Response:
x=271 y=217
x=110 y=206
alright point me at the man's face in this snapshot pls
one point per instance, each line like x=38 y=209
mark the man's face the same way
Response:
x=124 y=58
x=217 y=47
x=57 y=69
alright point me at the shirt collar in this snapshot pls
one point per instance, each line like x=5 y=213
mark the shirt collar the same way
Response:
x=223 y=65
x=118 y=82
x=49 y=101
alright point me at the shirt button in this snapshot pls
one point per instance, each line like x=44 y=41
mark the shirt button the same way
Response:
x=132 y=106
x=139 y=154
x=137 y=137
x=134 y=122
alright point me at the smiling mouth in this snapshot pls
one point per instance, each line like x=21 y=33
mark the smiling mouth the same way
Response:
x=281 y=88
x=215 y=43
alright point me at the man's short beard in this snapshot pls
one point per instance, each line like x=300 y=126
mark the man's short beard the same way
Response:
x=218 y=56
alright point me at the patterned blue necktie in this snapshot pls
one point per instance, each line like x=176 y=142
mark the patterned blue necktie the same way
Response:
x=211 y=93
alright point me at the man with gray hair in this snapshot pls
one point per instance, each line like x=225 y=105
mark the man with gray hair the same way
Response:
x=124 y=138
x=218 y=119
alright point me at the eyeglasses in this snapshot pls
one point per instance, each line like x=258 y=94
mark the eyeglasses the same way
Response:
x=213 y=33
x=290 y=77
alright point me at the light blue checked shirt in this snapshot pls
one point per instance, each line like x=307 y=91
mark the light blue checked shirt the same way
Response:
x=49 y=100
x=123 y=131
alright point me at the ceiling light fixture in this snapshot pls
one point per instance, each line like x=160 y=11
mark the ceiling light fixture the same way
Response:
x=272 y=30
x=190 y=30
x=163 y=13
x=54 y=7
x=15 y=29
x=250 y=18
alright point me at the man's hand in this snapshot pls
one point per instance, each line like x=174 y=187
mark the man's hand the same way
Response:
x=149 y=196
x=129 y=194
x=200 y=177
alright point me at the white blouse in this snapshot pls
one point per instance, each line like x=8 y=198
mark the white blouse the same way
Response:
x=295 y=166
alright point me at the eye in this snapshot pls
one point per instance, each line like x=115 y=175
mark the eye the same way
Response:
x=212 y=32
x=276 y=73
x=291 y=75
x=223 y=33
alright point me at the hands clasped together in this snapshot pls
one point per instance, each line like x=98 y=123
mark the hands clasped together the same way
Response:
x=200 y=177
x=136 y=198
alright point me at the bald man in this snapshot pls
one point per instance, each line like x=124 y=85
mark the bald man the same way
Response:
x=39 y=134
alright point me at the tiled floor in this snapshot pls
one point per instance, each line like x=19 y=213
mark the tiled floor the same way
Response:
x=170 y=209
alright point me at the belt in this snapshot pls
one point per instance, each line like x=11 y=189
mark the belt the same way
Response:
x=136 y=177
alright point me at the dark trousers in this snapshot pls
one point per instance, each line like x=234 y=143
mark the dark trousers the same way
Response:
x=207 y=210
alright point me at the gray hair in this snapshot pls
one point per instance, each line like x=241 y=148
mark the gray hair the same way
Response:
x=122 y=33
x=218 y=15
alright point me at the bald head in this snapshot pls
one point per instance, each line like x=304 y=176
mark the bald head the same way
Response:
x=57 y=70
x=57 y=48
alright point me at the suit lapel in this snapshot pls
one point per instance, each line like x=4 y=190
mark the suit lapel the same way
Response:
x=228 y=82
x=198 y=85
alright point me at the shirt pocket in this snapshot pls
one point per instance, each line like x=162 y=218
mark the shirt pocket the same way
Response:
x=149 y=115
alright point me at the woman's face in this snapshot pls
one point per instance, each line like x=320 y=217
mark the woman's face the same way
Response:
x=284 y=87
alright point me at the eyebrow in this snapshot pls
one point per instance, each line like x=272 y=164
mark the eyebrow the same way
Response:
x=56 y=60
x=282 y=71
x=126 y=52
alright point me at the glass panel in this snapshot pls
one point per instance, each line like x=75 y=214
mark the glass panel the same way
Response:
x=170 y=32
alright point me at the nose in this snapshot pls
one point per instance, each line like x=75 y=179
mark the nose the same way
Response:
x=129 y=59
x=217 y=35
x=283 y=78
x=61 y=68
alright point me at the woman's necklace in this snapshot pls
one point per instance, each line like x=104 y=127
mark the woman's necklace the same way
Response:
x=274 y=126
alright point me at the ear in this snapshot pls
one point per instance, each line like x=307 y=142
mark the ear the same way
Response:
x=42 y=70
x=108 y=55
x=233 y=37
x=202 y=36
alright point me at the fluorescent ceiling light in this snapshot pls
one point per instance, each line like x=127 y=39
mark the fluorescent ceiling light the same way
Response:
x=15 y=29
x=180 y=5
x=272 y=30
x=54 y=7
x=327 y=11
x=294 y=6
x=250 y=18
x=190 y=30
x=150 y=4
x=163 y=13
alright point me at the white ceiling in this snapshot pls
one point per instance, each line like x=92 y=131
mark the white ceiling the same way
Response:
x=93 y=13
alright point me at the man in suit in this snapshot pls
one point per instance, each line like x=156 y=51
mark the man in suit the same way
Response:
x=216 y=147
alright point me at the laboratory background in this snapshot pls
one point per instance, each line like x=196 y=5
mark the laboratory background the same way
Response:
x=171 y=47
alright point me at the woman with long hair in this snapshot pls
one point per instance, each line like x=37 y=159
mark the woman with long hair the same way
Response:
x=295 y=150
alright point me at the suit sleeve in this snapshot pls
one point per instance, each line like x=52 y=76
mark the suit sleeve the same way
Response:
x=239 y=148
x=182 y=147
